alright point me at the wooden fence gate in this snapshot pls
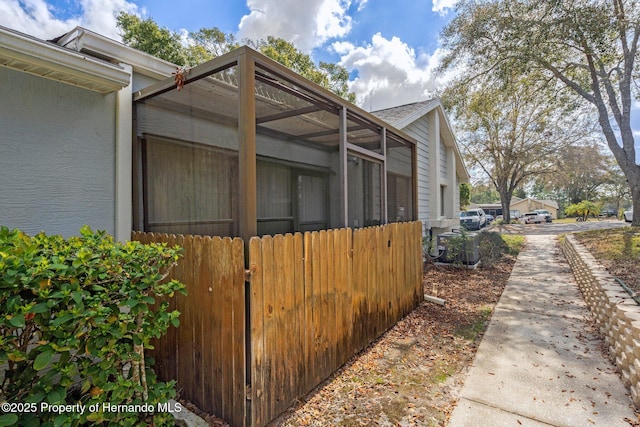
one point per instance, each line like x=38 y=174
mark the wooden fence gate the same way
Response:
x=246 y=351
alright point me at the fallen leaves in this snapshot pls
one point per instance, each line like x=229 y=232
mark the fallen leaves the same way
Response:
x=412 y=374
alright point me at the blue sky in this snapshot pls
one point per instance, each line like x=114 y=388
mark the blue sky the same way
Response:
x=390 y=48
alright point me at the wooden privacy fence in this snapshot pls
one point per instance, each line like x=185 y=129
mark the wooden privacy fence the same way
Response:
x=206 y=353
x=246 y=351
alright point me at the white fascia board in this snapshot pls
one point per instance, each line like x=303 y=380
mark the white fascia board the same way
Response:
x=83 y=40
x=31 y=55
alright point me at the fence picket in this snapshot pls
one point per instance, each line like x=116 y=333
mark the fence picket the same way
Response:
x=257 y=355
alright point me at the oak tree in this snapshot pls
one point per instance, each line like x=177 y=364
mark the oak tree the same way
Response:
x=511 y=129
x=589 y=46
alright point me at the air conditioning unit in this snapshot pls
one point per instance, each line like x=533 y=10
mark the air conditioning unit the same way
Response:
x=459 y=248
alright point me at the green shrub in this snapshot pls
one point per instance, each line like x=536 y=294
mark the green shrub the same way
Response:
x=76 y=318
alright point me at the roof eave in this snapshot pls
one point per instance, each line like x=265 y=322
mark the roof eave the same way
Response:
x=28 y=54
x=83 y=40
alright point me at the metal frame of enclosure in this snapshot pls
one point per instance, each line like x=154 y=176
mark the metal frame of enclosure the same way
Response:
x=257 y=114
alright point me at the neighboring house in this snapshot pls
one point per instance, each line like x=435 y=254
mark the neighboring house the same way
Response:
x=66 y=118
x=441 y=168
x=529 y=204
x=520 y=206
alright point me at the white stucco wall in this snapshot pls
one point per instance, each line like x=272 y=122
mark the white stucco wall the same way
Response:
x=57 y=156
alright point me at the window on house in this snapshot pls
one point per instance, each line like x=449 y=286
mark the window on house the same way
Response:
x=274 y=204
x=399 y=200
x=193 y=189
x=442 y=199
x=290 y=199
x=365 y=192
x=313 y=204
x=189 y=188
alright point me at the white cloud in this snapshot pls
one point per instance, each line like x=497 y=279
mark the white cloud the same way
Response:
x=37 y=18
x=441 y=6
x=100 y=15
x=307 y=24
x=361 y=4
x=389 y=73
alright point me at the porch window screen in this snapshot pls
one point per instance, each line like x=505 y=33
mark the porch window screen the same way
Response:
x=275 y=215
x=399 y=182
x=312 y=202
x=399 y=200
x=365 y=195
x=190 y=188
x=290 y=199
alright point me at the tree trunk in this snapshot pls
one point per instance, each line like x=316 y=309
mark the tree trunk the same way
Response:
x=505 y=201
x=635 y=197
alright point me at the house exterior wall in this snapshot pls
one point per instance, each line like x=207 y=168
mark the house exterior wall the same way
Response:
x=436 y=169
x=141 y=81
x=57 y=156
x=419 y=130
x=444 y=166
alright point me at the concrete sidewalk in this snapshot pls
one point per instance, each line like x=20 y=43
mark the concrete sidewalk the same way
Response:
x=540 y=363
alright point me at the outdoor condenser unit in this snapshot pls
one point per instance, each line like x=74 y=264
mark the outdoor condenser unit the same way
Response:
x=467 y=254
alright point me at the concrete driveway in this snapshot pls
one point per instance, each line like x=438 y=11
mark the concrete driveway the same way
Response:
x=555 y=228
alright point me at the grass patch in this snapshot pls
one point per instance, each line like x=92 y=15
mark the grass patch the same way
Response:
x=618 y=250
x=616 y=244
x=441 y=372
x=471 y=331
x=514 y=243
x=493 y=246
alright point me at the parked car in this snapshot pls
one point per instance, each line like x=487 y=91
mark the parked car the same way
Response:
x=533 y=218
x=628 y=215
x=545 y=213
x=473 y=219
x=490 y=219
x=608 y=213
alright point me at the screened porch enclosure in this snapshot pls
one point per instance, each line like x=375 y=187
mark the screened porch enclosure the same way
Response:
x=247 y=147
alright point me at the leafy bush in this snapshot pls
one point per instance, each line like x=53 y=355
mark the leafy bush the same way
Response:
x=77 y=316
x=583 y=209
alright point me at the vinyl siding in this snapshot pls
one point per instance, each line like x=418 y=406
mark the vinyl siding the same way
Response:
x=444 y=172
x=419 y=130
x=57 y=156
